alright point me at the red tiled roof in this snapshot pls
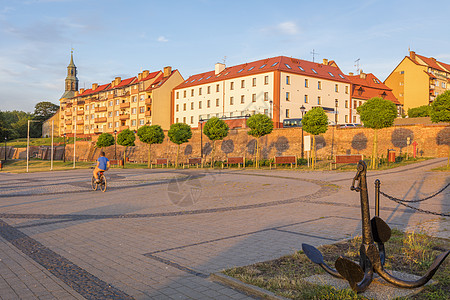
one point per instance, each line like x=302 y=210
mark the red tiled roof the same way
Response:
x=123 y=83
x=447 y=66
x=280 y=63
x=431 y=62
x=369 y=87
x=159 y=81
x=98 y=89
x=430 y=74
x=149 y=76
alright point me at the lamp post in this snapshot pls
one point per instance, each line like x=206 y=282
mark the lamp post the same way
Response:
x=271 y=108
x=201 y=137
x=28 y=142
x=115 y=145
x=302 y=109
x=5 y=148
x=64 y=153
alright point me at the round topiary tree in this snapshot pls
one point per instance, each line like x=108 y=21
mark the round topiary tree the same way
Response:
x=126 y=138
x=377 y=113
x=105 y=140
x=260 y=125
x=150 y=135
x=440 y=112
x=421 y=111
x=215 y=129
x=179 y=133
x=315 y=122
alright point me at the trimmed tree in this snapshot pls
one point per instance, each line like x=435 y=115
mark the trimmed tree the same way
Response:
x=126 y=138
x=179 y=133
x=440 y=112
x=215 y=129
x=377 y=113
x=315 y=122
x=105 y=140
x=421 y=111
x=260 y=125
x=150 y=135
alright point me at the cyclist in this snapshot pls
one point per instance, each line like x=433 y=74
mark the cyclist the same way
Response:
x=102 y=165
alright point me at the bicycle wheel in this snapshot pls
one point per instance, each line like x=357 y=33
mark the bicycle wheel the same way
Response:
x=103 y=183
x=94 y=183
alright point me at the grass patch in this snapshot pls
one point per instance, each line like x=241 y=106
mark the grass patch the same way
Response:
x=20 y=166
x=406 y=252
x=442 y=169
x=22 y=143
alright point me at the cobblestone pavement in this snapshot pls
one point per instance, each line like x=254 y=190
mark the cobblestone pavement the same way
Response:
x=158 y=234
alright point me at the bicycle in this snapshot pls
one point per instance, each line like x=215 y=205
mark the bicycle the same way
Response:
x=102 y=182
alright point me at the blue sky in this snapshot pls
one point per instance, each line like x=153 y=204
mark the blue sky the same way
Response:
x=121 y=38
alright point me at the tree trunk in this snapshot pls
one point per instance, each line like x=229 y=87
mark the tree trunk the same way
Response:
x=124 y=157
x=257 y=153
x=212 y=153
x=176 y=160
x=149 y=156
x=313 y=152
x=375 y=151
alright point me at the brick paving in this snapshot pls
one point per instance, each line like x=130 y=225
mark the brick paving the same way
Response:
x=158 y=234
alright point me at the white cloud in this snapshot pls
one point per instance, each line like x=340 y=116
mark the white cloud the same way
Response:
x=162 y=39
x=289 y=28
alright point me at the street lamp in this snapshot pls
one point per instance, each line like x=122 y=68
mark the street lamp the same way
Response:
x=201 y=137
x=115 y=145
x=302 y=109
x=28 y=141
x=5 y=149
x=64 y=153
x=336 y=112
x=271 y=108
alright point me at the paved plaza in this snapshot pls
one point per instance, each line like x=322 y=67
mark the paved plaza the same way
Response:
x=159 y=234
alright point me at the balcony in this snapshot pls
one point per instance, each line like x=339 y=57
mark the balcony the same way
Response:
x=68 y=122
x=148 y=101
x=100 y=108
x=148 y=113
x=80 y=112
x=62 y=116
x=80 y=102
x=100 y=120
x=68 y=113
x=125 y=105
x=124 y=117
x=80 y=131
x=80 y=122
x=123 y=127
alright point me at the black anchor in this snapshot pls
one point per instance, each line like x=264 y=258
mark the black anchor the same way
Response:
x=371 y=257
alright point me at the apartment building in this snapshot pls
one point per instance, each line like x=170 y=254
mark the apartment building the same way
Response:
x=122 y=104
x=276 y=86
x=417 y=80
x=364 y=87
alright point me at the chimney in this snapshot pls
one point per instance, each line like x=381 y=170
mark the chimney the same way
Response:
x=117 y=80
x=167 y=71
x=94 y=86
x=412 y=55
x=139 y=76
x=362 y=75
x=145 y=73
x=433 y=59
x=81 y=91
x=325 y=61
x=350 y=74
x=219 y=68
x=76 y=94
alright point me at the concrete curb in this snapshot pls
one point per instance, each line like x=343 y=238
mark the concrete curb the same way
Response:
x=244 y=287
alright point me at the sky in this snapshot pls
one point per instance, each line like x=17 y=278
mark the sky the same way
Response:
x=122 y=38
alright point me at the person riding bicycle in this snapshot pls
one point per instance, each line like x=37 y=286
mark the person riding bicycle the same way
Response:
x=102 y=165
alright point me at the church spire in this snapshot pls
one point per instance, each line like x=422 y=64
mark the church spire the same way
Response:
x=71 y=82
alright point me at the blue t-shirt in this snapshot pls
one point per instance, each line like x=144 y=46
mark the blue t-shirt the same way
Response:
x=103 y=162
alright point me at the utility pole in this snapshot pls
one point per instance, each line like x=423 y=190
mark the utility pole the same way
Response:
x=313 y=54
x=357 y=65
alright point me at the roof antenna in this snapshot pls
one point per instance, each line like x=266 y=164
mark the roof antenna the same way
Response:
x=357 y=65
x=224 y=60
x=313 y=54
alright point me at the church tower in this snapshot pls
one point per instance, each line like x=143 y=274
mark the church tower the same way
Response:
x=71 y=80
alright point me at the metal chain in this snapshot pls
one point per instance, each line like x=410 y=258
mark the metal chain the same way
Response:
x=421 y=210
x=414 y=201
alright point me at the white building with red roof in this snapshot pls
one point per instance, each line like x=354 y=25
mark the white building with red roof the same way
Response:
x=276 y=86
x=364 y=87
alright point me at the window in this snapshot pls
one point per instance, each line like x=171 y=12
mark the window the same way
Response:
x=336 y=103
x=242 y=84
x=288 y=66
x=110 y=103
x=92 y=117
x=217 y=88
x=133 y=122
x=342 y=76
x=300 y=67
x=319 y=100
x=217 y=102
x=177 y=108
x=184 y=94
x=87 y=118
x=253 y=97
x=346 y=89
x=134 y=99
x=200 y=104
x=336 y=88
x=314 y=70
x=141 y=122
x=142 y=97
x=231 y=85
x=274 y=64
x=266 y=80
x=110 y=114
x=306 y=98
x=443 y=85
x=287 y=96
x=360 y=103
x=231 y=100
x=266 y=112
x=184 y=119
x=306 y=83
x=242 y=99
x=192 y=120
x=354 y=119
x=184 y=106
x=117 y=103
x=208 y=104
x=346 y=118
x=133 y=110
x=231 y=114
x=178 y=95
x=192 y=105
x=240 y=70
x=192 y=92
x=208 y=90
x=287 y=113
x=199 y=91
x=346 y=103
x=288 y=80
x=87 y=107
x=117 y=113
x=251 y=68
x=116 y=124
x=331 y=74
x=176 y=120
x=402 y=72
x=266 y=96
x=263 y=66
x=354 y=103
x=319 y=85
x=142 y=109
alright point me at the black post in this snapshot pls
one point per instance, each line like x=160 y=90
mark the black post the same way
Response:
x=201 y=138
x=377 y=197
x=5 y=150
x=64 y=153
x=302 y=109
x=115 y=145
